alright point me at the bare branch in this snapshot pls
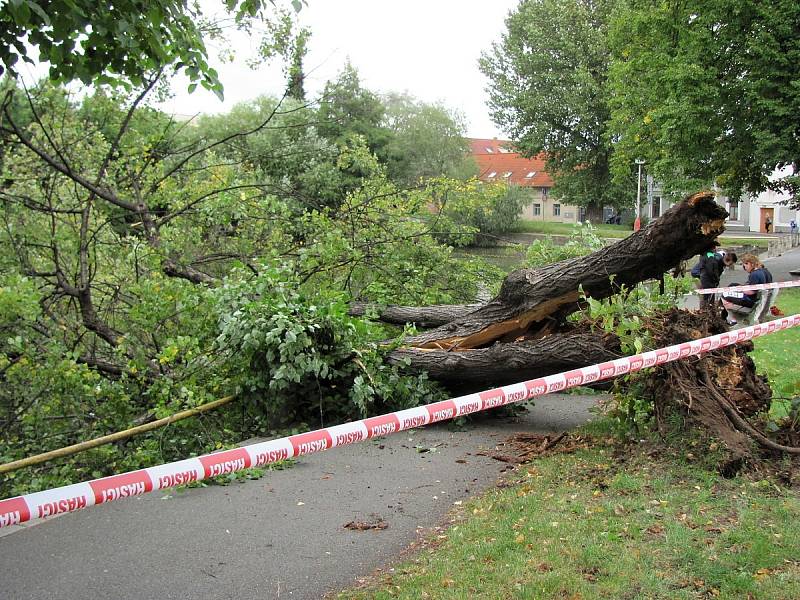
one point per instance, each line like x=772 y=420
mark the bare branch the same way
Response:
x=62 y=167
x=124 y=126
x=208 y=147
x=172 y=268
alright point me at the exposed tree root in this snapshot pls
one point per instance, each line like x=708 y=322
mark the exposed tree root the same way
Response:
x=718 y=390
x=744 y=425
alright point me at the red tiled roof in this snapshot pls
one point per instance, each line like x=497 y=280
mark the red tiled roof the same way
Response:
x=497 y=156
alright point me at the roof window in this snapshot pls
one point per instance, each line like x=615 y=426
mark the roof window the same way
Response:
x=492 y=174
x=507 y=174
x=530 y=174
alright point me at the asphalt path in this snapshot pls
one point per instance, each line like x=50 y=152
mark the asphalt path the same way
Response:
x=281 y=536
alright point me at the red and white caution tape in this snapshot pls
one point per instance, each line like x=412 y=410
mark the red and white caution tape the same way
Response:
x=81 y=495
x=748 y=288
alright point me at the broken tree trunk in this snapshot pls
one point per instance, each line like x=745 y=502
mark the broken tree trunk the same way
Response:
x=533 y=304
x=502 y=364
x=530 y=298
x=521 y=334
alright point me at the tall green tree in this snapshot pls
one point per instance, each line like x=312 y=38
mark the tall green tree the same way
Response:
x=428 y=141
x=288 y=156
x=548 y=89
x=707 y=91
x=349 y=116
x=348 y=108
x=295 y=86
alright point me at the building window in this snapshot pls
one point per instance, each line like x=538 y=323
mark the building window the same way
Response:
x=537 y=209
x=733 y=211
x=544 y=191
x=655 y=210
x=556 y=210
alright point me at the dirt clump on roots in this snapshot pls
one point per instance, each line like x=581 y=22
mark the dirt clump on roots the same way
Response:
x=719 y=391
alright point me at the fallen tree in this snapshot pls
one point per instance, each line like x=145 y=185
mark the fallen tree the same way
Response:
x=523 y=333
x=504 y=363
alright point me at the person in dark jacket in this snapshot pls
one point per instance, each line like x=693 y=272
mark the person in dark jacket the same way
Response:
x=709 y=270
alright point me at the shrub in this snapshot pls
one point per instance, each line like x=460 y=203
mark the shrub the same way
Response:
x=583 y=240
x=304 y=359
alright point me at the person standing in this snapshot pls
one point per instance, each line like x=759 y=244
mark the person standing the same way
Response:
x=710 y=269
x=744 y=301
x=767 y=223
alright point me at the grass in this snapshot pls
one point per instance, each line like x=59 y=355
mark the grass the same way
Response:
x=597 y=524
x=507 y=258
x=606 y=521
x=776 y=354
x=737 y=242
x=547 y=227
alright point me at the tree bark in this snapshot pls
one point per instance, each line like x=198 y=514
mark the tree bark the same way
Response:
x=421 y=316
x=594 y=212
x=502 y=364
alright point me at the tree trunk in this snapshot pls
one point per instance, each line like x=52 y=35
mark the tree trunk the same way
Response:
x=530 y=299
x=594 y=212
x=533 y=304
x=503 y=364
x=521 y=334
x=421 y=316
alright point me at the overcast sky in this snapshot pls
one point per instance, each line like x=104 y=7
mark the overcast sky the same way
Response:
x=428 y=48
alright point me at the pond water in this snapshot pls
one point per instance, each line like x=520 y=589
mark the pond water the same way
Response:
x=507 y=258
x=510 y=254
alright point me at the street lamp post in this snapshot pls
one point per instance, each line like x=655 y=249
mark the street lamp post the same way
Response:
x=637 y=222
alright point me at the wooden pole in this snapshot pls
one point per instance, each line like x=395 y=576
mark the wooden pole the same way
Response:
x=112 y=437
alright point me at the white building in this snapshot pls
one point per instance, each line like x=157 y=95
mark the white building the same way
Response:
x=769 y=204
x=747 y=214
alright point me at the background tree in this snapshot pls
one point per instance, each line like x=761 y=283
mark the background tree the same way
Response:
x=485 y=211
x=707 y=91
x=288 y=156
x=348 y=114
x=347 y=108
x=548 y=90
x=428 y=140
x=296 y=77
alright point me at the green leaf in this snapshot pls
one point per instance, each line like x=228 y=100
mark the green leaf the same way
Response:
x=34 y=6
